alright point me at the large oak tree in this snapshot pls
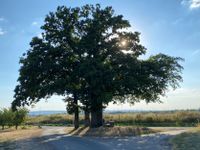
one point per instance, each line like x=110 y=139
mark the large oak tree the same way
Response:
x=90 y=54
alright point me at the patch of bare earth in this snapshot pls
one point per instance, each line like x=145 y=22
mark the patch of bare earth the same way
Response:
x=13 y=135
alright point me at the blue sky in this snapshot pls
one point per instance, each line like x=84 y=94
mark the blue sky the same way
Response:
x=167 y=26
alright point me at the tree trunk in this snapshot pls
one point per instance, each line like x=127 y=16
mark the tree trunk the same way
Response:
x=87 y=117
x=16 y=126
x=97 y=117
x=76 y=112
x=2 y=127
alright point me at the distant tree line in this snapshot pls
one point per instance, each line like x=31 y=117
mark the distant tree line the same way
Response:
x=12 y=118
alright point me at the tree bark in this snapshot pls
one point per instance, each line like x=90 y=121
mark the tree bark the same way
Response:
x=97 y=117
x=87 y=117
x=76 y=112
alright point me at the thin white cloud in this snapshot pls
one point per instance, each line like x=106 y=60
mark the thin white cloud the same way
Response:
x=2 y=32
x=2 y=19
x=193 y=4
x=196 y=52
x=35 y=23
x=39 y=35
x=177 y=21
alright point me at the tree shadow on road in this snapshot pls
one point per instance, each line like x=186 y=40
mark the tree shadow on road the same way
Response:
x=79 y=131
x=68 y=142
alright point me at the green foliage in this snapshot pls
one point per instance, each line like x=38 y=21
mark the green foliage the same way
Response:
x=89 y=52
x=10 y=118
x=19 y=117
x=7 y=116
x=70 y=105
x=1 y=119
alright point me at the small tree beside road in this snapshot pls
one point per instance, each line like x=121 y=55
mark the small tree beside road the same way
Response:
x=10 y=118
x=19 y=117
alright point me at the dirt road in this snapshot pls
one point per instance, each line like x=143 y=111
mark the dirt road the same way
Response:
x=54 y=138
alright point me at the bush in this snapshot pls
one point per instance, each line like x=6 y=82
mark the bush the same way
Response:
x=6 y=118
x=10 y=118
x=1 y=119
x=19 y=117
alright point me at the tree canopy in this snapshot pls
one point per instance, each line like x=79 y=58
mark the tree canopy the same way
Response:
x=91 y=54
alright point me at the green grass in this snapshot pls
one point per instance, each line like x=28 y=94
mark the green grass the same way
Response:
x=174 y=118
x=187 y=141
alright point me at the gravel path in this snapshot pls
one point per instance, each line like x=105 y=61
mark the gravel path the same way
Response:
x=53 y=138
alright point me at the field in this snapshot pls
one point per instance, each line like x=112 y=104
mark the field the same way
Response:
x=165 y=118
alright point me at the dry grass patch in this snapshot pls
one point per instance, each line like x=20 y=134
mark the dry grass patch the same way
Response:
x=162 y=118
x=12 y=134
x=107 y=131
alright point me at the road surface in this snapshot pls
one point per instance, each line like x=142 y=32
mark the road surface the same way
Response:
x=54 y=138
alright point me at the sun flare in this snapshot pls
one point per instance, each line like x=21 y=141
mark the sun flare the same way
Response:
x=123 y=43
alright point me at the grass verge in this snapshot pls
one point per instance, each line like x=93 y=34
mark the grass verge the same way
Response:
x=187 y=141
